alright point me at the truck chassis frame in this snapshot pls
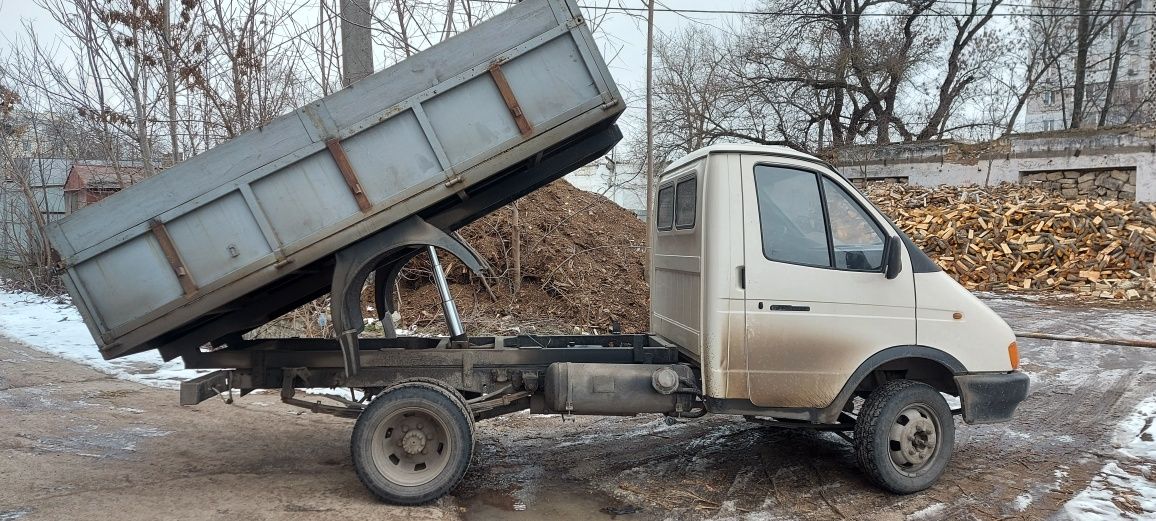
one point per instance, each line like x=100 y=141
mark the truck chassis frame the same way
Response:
x=498 y=374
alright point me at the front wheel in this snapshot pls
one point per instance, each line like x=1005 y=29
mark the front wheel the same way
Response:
x=413 y=443
x=904 y=436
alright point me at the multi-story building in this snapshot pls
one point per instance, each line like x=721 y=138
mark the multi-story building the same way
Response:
x=1050 y=106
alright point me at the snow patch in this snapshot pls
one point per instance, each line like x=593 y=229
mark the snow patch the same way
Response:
x=930 y=512
x=1123 y=489
x=652 y=427
x=54 y=326
x=13 y=515
x=1022 y=502
x=1136 y=435
x=1115 y=494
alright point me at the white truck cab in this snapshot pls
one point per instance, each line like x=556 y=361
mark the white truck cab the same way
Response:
x=796 y=295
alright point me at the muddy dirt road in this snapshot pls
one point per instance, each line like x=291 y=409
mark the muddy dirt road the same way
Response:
x=77 y=444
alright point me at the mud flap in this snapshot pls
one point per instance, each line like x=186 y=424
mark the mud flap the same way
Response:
x=991 y=397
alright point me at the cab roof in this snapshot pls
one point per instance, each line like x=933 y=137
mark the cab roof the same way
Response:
x=765 y=150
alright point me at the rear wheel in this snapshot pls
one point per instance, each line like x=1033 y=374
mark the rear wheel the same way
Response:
x=904 y=436
x=457 y=396
x=413 y=443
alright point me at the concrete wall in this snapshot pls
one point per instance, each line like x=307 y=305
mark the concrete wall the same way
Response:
x=1009 y=159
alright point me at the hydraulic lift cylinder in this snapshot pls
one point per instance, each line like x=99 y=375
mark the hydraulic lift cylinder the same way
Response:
x=457 y=332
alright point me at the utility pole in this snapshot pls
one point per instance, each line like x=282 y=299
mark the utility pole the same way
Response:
x=170 y=78
x=356 y=41
x=650 y=217
x=649 y=108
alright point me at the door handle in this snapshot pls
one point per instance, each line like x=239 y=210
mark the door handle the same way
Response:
x=787 y=307
x=742 y=274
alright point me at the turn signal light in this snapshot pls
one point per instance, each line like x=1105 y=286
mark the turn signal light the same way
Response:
x=1013 y=354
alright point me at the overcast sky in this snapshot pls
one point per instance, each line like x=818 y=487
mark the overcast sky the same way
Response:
x=622 y=36
x=626 y=34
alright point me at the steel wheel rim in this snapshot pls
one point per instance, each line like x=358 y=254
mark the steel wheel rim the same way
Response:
x=914 y=439
x=411 y=446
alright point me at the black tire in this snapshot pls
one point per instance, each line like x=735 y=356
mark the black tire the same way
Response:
x=413 y=443
x=457 y=396
x=904 y=436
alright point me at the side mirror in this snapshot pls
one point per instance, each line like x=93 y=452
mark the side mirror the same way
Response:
x=894 y=265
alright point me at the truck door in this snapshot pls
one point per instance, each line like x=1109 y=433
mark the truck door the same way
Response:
x=817 y=300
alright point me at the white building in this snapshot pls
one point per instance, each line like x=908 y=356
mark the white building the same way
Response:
x=625 y=184
x=42 y=179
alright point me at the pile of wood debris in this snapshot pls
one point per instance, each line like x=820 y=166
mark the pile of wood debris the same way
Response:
x=578 y=259
x=1019 y=238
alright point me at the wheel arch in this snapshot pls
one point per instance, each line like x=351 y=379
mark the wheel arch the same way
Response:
x=910 y=362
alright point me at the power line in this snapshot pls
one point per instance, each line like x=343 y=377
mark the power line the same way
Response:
x=289 y=39
x=1073 y=11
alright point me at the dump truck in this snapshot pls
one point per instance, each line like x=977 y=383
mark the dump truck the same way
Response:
x=779 y=294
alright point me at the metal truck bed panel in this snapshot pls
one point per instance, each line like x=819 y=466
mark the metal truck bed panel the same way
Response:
x=186 y=243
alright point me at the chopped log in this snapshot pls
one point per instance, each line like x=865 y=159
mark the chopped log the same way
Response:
x=1021 y=238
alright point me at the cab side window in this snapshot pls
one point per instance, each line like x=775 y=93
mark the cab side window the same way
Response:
x=809 y=219
x=791 y=215
x=665 y=208
x=857 y=240
x=685 y=200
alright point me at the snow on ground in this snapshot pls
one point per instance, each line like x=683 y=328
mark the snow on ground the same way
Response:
x=1022 y=502
x=1136 y=436
x=1116 y=494
x=934 y=511
x=1124 y=488
x=54 y=326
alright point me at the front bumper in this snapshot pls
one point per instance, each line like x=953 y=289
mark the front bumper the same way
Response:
x=991 y=397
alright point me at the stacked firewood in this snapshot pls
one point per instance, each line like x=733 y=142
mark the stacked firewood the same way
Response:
x=1020 y=238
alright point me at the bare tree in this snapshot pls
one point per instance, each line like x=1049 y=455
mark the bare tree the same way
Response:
x=114 y=37
x=135 y=82
x=404 y=27
x=971 y=52
x=1126 y=30
x=1039 y=43
x=1091 y=40
x=834 y=73
x=690 y=93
